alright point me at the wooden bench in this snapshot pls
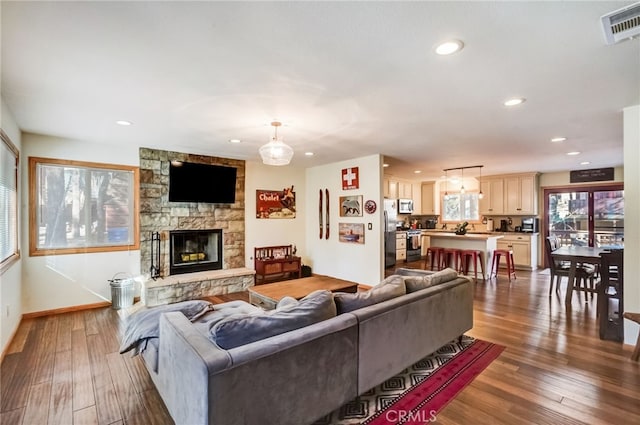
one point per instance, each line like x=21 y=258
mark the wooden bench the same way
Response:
x=274 y=263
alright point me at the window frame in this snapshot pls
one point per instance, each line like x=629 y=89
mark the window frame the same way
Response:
x=458 y=193
x=14 y=256
x=34 y=200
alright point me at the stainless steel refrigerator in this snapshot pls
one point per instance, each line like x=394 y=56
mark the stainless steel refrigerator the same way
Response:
x=390 y=217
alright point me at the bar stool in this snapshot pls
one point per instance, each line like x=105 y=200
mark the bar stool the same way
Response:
x=473 y=255
x=433 y=255
x=495 y=264
x=448 y=256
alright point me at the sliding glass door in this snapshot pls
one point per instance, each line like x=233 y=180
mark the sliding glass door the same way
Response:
x=591 y=216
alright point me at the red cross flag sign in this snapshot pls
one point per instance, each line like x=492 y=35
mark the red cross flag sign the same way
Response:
x=350 y=178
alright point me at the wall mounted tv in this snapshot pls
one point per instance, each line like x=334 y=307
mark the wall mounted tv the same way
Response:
x=192 y=182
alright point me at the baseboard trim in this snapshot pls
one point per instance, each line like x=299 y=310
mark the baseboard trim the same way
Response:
x=66 y=309
x=10 y=340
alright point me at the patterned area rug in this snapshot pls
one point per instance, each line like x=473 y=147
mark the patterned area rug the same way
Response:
x=418 y=393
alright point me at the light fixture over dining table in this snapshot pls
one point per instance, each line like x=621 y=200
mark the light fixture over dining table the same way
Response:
x=276 y=152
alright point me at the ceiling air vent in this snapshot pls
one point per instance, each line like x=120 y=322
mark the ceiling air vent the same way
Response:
x=621 y=24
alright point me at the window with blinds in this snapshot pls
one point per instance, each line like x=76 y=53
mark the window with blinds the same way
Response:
x=9 y=157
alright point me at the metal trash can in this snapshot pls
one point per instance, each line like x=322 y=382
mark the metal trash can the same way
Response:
x=122 y=291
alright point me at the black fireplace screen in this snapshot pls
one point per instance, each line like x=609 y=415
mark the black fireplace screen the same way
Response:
x=195 y=250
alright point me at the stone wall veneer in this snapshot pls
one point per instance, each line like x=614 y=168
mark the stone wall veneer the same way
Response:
x=157 y=214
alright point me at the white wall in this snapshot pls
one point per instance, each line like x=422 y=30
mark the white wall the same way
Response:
x=11 y=279
x=361 y=263
x=268 y=232
x=57 y=281
x=631 y=227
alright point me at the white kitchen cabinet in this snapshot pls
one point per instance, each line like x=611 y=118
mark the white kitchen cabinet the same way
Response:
x=425 y=243
x=401 y=246
x=428 y=198
x=405 y=190
x=521 y=194
x=524 y=247
x=390 y=188
x=493 y=201
x=394 y=188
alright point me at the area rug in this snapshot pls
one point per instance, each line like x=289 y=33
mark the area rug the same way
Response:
x=418 y=393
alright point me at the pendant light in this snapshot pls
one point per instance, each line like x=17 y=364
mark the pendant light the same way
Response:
x=446 y=187
x=462 y=180
x=276 y=152
x=480 y=194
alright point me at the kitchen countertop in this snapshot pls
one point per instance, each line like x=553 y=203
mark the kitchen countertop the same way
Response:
x=479 y=232
x=475 y=236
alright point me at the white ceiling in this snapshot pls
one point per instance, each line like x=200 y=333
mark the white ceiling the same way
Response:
x=348 y=79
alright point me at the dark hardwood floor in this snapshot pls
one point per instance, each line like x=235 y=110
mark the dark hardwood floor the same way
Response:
x=65 y=369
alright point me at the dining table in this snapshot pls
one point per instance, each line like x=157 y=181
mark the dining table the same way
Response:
x=576 y=255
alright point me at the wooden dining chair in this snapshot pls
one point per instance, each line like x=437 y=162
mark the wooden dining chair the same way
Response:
x=585 y=274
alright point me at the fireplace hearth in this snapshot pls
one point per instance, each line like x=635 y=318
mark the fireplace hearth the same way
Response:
x=195 y=250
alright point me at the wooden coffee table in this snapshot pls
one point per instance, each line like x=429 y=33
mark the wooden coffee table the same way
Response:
x=268 y=295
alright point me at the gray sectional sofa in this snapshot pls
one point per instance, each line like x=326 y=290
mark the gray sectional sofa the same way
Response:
x=297 y=376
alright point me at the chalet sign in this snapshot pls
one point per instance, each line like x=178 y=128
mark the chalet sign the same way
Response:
x=592 y=175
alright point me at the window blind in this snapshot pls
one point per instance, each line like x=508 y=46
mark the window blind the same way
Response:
x=8 y=201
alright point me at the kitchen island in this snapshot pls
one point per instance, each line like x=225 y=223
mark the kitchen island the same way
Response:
x=486 y=243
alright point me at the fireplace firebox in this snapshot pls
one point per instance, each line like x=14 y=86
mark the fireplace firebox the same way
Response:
x=195 y=250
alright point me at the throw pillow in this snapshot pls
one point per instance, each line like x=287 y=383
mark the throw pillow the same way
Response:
x=243 y=329
x=286 y=302
x=389 y=288
x=418 y=281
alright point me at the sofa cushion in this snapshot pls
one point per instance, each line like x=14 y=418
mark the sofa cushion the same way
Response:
x=391 y=287
x=417 y=281
x=243 y=329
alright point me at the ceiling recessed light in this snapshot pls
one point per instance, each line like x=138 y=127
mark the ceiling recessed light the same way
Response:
x=417 y=171
x=449 y=47
x=585 y=163
x=123 y=122
x=308 y=153
x=558 y=139
x=515 y=101
x=573 y=153
x=234 y=140
x=385 y=165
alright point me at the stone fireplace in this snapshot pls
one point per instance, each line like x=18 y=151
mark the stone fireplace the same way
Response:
x=186 y=280
x=195 y=250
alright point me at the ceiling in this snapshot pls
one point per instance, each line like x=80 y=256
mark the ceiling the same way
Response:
x=347 y=79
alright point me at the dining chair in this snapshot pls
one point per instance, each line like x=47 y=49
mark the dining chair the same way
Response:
x=585 y=273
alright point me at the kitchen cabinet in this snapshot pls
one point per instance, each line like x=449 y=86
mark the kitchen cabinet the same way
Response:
x=428 y=198
x=394 y=188
x=389 y=188
x=524 y=247
x=426 y=243
x=521 y=194
x=493 y=201
x=405 y=190
x=401 y=246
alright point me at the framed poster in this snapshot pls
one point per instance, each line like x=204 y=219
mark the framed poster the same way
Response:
x=351 y=206
x=276 y=203
x=350 y=178
x=351 y=232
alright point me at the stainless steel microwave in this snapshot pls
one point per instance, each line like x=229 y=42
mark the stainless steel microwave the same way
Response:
x=405 y=206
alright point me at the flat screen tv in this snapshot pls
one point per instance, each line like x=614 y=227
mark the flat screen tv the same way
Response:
x=192 y=182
